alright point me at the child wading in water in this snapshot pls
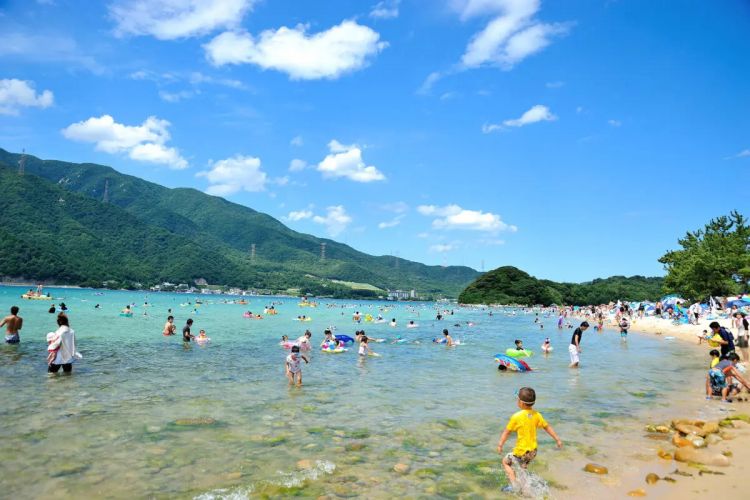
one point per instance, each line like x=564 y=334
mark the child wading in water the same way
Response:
x=524 y=423
x=294 y=367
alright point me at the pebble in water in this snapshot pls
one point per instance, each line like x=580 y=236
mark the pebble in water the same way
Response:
x=704 y=457
x=596 y=469
x=401 y=468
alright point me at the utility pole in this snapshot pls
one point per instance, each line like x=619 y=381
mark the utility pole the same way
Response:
x=22 y=163
x=323 y=252
x=252 y=252
x=105 y=197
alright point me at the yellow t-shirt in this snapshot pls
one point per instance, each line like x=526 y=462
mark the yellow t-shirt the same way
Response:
x=525 y=423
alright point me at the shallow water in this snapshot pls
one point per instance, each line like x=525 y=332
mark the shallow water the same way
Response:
x=113 y=428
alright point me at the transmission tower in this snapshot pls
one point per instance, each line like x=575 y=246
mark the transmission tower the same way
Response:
x=482 y=265
x=323 y=252
x=22 y=163
x=105 y=197
x=252 y=252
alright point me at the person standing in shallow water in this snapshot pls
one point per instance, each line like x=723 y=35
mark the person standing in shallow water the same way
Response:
x=186 y=335
x=169 y=327
x=64 y=341
x=13 y=325
x=575 y=344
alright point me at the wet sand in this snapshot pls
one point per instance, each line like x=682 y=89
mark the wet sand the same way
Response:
x=632 y=455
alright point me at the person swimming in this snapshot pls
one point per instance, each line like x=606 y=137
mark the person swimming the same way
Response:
x=202 y=338
x=547 y=345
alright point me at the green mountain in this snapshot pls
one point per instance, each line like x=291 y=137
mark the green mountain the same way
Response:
x=509 y=285
x=55 y=226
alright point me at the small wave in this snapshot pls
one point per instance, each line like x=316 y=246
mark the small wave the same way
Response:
x=288 y=480
x=294 y=479
x=227 y=494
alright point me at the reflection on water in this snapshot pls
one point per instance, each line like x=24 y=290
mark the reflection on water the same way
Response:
x=144 y=415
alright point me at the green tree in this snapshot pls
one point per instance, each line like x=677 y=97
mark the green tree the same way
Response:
x=714 y=260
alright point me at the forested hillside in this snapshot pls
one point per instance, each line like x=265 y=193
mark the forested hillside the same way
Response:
x=149 y=233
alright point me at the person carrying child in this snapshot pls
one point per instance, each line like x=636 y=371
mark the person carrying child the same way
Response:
x=524 y=423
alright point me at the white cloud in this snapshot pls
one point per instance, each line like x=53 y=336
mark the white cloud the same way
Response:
x=336 y=220
x=579 y=109
x=171 y=19
x=455 y=217
x=47 y=49
x=442 y=247
x=145 y=142
x=281 y=181
x=512 y=35
x=297 y=165
x=398 y=207
x=488 y=128
x=197 y=78
x=391 y=223
x=614 y=123
x=176 y=96
x=429 y=82
x=554 y=85
x=239 y=173
x=17 y=94
x=346 y=161
x=492 y=242
x=297 y=141
x=423 y=235
x=386 y=9
x=535 y=114
x=745 y=153
x=328 y=54
x=300 y=215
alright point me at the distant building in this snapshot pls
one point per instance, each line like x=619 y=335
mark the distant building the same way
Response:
x=398 y=294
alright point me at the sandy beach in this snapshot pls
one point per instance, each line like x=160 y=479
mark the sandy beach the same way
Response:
x=641 y=453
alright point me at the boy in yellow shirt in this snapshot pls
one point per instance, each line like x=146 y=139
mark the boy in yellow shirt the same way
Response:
x=524 y=423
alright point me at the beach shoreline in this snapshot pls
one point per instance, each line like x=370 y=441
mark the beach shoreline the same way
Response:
x=641 y=456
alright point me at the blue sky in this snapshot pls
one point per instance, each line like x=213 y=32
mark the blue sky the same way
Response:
x=573 y=139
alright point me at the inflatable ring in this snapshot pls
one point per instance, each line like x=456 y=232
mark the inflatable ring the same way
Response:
x=515 y=353
x=338 y=350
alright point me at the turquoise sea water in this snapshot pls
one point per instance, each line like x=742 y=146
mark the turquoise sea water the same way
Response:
x=112 y=429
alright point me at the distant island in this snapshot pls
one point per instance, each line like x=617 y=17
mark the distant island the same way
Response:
x=510 y=285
